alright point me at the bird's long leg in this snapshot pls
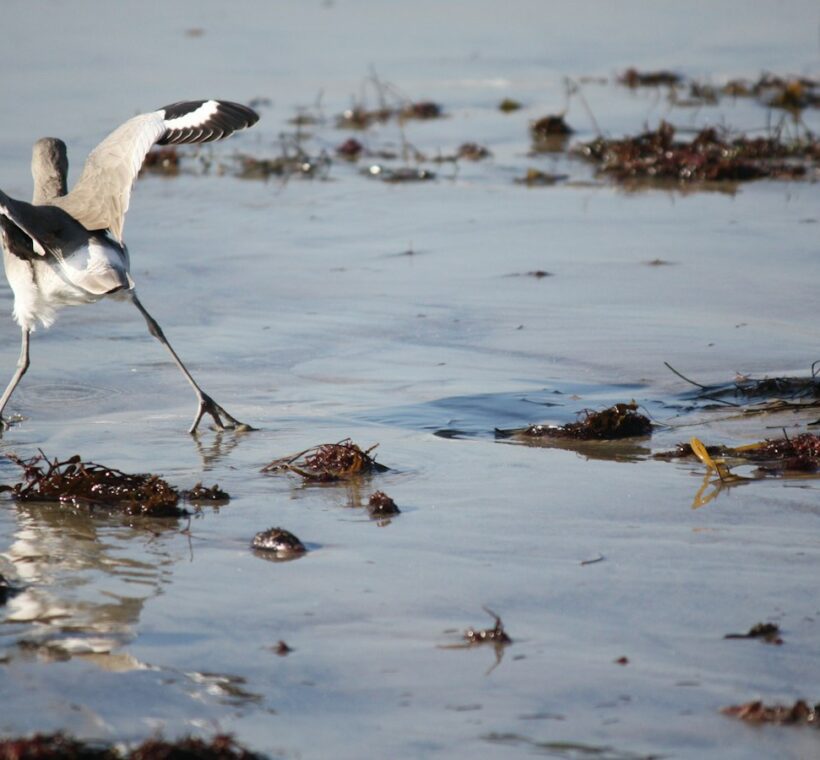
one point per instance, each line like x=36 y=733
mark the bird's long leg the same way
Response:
x=206 y=404
x=22 y=366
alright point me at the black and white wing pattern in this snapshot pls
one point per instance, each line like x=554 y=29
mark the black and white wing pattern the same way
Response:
x=100 y=198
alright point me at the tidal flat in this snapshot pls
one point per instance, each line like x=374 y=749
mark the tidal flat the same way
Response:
x=482 y=289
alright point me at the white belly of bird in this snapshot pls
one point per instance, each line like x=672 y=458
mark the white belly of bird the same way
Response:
x=89 y=274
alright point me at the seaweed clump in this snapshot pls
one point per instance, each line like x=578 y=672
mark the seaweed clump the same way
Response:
x=633 y=78
x=279 y=542
x=328 y=462
x=550 y=133
x=495 y=635
x=508 y=105
x=617 y=421
x=773 y=456
x=220 y=747
x=53 y=747
x=56 y=746
x=789 y=93
x=768 y=632
x=74 y=482
x=757 y=712
x=537 y=178
x=360 y=117
x=380 y=505
x=708 y=157
x=202 y=493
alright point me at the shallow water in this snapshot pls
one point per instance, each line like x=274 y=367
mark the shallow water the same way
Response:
x=298 y=306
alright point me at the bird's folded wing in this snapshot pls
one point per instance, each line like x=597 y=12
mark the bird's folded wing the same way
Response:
x=20 y=225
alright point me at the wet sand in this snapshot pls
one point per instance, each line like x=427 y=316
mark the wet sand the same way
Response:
x=297 y=306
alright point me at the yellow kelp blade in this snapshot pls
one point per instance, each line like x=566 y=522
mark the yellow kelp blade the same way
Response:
x=719 y=466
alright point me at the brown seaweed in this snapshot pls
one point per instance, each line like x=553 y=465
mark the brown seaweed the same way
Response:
x=508 y=105
x=774 y=456
x=162 y=160
x=328 y=462
x=537 y=178
x=634 y=78
x=617 y=421
x=60 y=746
x=381 y=505
x=495 y=635
x=550 y=134
x=278 y=541
x=708 y=157
x=76 y=483
x=201 y=493
x=350 y=149
x=768 y=632
x=801 y=712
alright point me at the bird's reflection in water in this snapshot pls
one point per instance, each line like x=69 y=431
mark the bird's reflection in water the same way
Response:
x=83 y=580
x=212 y=450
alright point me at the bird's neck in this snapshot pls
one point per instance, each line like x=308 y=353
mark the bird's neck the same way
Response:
x=48 y=187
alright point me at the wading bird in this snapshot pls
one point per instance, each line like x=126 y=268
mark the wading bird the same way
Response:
x=67 y=249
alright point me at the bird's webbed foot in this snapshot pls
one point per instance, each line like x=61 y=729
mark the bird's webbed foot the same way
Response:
x=222 y=419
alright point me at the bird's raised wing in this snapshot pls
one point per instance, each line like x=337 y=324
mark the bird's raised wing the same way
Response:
x=101 y=195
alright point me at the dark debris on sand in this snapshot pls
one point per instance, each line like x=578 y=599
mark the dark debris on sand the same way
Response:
x=328 y=462
x=617 y=421
x=77 y=483
x=710 y=156
x=61 y=747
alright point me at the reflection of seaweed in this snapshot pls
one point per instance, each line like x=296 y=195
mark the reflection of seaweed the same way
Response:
x=76 y=482
x=328 y=462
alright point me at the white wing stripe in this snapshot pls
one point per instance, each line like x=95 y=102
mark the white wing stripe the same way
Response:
x=194 y=119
